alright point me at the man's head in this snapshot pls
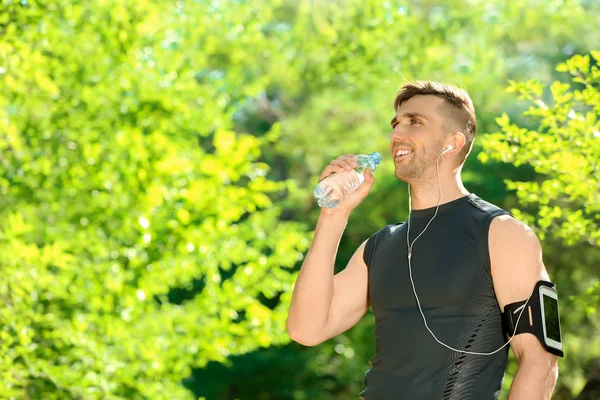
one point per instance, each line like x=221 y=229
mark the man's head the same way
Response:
x=430 y=116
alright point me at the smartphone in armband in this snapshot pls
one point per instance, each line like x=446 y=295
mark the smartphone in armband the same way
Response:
x=538 y=316
x=550 y=319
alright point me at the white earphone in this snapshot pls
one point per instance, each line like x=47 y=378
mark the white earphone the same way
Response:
x=410 y=251
x=450 y=147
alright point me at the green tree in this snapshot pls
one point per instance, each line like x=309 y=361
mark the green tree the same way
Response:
x=138 y=234
x=561 y=143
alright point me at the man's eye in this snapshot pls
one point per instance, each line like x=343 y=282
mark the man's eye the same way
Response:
x=412 y=121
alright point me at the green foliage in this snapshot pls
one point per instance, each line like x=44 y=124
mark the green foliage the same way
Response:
x=564 y=149
x=562 y=204
x=109 y=204
x=157 y=160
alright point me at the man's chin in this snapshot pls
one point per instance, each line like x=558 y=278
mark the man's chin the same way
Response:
x=404 y=177
x=408 y=175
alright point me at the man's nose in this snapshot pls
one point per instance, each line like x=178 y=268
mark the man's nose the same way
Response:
x=396 y=133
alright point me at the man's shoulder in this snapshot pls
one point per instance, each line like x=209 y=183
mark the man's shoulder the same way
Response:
x=505 y=233
x=389 y=229
x=486 y=207
x=509 y=230
x=387 y=232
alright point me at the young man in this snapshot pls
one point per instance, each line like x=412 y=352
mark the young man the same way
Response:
x=468 y=259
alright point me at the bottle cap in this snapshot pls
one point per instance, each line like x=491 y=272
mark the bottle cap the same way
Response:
x=376 y=157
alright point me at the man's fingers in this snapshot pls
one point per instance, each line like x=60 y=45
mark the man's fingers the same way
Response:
x=369 y=176
x=347 y=162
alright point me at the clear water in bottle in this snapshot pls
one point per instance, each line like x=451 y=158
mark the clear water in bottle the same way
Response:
x=336 y=187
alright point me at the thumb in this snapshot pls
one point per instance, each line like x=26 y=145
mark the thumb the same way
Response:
x=369 y=177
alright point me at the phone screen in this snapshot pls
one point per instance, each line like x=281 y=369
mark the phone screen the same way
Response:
x=551 y=317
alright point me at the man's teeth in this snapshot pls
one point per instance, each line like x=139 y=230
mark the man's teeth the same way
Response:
x=403 y=152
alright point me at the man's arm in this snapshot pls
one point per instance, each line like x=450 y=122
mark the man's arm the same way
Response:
x=517 y=265
x=324 y=305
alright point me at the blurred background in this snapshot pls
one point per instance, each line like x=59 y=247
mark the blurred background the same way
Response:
x=157 y=162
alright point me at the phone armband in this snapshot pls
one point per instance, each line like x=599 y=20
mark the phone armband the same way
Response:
x=539 y=316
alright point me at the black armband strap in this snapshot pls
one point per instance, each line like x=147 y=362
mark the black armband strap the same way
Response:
x=539 y=316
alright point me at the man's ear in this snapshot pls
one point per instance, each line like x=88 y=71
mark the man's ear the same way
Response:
x=458 y=140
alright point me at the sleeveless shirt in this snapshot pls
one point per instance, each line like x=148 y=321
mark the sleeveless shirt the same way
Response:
x=452 y=277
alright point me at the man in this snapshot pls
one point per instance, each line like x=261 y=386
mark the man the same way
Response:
x=468 y=260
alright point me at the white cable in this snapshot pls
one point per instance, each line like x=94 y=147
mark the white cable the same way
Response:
x=410 y=247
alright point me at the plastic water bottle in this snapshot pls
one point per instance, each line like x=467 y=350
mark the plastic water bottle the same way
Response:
x=333 y=189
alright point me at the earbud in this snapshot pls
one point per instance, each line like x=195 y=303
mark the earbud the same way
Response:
x=450 y=147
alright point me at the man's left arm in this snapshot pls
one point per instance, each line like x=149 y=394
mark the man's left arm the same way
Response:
x=517 y=265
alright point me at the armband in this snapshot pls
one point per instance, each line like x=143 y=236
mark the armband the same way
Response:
x=539 y=316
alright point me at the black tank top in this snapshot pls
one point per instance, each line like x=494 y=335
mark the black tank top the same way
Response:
x=451 y=271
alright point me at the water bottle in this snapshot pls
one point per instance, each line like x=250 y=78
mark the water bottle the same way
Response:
x=333 y=189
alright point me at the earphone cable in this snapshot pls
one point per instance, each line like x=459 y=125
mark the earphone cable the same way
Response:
x=410 y=247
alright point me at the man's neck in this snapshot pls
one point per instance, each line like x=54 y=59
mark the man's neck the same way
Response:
x=427 y=195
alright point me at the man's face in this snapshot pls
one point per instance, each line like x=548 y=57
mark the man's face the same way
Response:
x=417 y=127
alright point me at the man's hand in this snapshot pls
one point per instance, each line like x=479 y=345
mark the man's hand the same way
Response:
x=347 y=163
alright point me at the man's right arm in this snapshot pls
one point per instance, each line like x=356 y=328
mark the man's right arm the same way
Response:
x=323 y=304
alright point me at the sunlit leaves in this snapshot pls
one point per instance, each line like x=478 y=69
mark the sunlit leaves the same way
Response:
x=563 y=203
x=565 y=149
x=123 y=183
